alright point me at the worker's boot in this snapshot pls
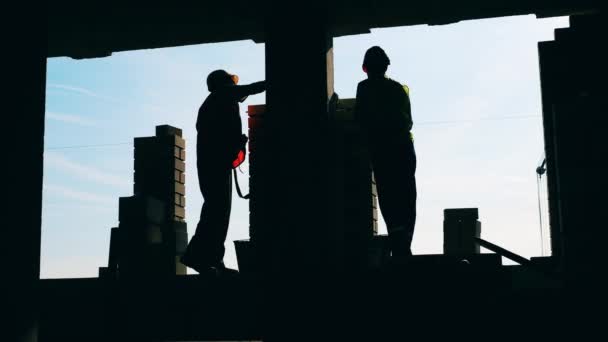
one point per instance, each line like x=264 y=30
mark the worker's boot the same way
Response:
x=207 y=270
x=222 y=270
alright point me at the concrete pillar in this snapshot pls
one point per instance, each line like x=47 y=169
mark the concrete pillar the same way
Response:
x=301 y=231
x=23 y=120
x=572 y=69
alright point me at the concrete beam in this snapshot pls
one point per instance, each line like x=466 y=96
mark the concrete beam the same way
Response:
x=98 y=28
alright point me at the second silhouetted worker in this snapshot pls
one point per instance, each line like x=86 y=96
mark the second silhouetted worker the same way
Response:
x=384 y=112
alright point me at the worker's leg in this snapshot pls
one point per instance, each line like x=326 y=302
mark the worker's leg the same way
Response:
x=206 y=248
x=396 y=184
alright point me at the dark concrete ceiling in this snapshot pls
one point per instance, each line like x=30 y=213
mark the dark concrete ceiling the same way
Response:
x=96 y=29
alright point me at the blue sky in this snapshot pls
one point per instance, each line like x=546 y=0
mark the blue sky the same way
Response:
x=475 y=96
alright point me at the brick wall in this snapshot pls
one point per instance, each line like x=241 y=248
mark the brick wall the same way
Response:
x=152 y=232
x=358 y=199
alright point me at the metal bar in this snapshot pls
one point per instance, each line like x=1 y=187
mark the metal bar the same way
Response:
x=503 y=252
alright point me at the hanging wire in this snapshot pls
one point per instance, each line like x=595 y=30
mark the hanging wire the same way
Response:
x=425 y=123
x=85 y=146
x=540 y=216
x=540 y=170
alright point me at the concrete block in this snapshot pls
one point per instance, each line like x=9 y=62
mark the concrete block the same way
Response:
x=180 y=165
x=461 y=214
x=153 y=234
x=145 y=143
x=182 y=155
x=152 y=154
x=460 y=228
x=153 y=175
x=256 y=110
x=180 y=188
x=115 y=247
x=180 y=269
x=179 y=142
x=179 y=211
x=180 y=177
x=140 y=209
x=180 y=200
x=181 y=242
x=176 y=152
x=165 y=130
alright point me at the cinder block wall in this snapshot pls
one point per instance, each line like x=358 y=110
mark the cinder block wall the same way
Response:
x=358 y=199
x=152 y=233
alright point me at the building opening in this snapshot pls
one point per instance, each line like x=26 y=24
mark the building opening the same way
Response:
x=476 y=106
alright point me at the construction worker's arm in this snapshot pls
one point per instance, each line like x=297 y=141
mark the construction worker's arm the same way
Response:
x=240 y=92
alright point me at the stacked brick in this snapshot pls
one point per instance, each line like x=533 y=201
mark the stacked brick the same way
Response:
x=460 y=228
x=259 y=161
x=360 y=201
x=152 y=233
x=374 y=206
x=358 y=197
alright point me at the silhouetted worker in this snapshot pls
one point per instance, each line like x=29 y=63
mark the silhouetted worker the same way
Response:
x=384 y=112
x=218 y=142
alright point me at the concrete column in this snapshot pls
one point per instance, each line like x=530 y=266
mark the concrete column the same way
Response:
x=574 y=112
x=300 y=234
x=23 y=120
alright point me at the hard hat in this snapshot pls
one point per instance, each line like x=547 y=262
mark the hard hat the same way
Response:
x=375 y=59
x=235 y=79
x=219 y=78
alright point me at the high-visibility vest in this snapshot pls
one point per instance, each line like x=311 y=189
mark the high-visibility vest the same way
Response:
x=407 y=91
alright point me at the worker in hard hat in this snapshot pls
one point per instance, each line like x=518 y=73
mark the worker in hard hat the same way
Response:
x=384 y=113
x=219 y=141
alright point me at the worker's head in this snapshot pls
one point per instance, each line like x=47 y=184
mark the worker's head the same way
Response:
x=375 y=61
x=220 y=78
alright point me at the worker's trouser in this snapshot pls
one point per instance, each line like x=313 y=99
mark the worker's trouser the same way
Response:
x=207 y=244
x=394 y=168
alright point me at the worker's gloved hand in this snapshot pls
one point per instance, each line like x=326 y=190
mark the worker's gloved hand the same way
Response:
x=241 y=153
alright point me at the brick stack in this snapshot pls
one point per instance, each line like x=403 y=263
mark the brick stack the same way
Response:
x=374 y=206
x=360 y=196
x=460 y=227
x=258 y=162
x=152 y=233
x=358 y=199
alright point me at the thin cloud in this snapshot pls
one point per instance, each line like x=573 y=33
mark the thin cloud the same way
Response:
x=51 y=207
x=60 y=162
x=80 y=90
x=87 y=92
x=81 y=196
x=70 y=119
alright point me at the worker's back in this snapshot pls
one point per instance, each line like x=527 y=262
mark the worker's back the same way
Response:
x=383 y=109
x=219 y=127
